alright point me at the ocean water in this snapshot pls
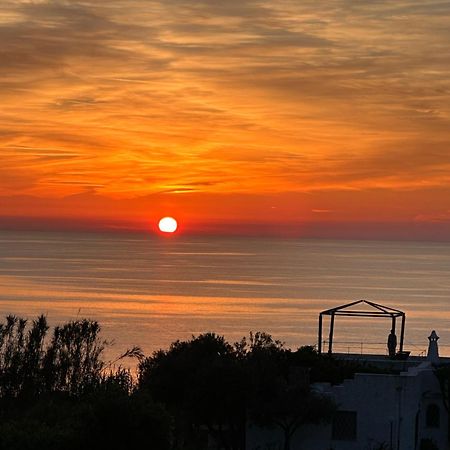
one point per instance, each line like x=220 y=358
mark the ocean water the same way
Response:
x=149 y=291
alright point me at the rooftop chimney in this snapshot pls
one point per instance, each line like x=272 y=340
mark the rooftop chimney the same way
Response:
x=433 y=350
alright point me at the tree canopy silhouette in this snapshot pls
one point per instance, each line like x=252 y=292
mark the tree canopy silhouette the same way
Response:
x=57 y=391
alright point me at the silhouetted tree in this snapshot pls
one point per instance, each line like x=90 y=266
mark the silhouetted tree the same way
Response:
x=73 y=362
x=21 y=353
x=203 y=385
x=107 y=418
x=289 y=407
x=117 y=419
x=280 y=394
x=59 y=393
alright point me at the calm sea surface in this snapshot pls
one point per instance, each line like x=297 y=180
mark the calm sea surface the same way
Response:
x=150 y=291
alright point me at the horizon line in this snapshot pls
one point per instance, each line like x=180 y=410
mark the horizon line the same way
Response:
x=342 y=230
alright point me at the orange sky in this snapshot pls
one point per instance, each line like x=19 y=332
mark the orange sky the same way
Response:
x=285 y=117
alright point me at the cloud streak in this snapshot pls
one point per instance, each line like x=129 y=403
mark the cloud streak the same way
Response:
x=133 y=98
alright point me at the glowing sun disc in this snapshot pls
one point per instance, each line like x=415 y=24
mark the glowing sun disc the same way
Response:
x=168 y=225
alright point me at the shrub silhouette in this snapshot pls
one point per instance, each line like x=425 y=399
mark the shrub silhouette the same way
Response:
x=209 y=385
x=56 y=392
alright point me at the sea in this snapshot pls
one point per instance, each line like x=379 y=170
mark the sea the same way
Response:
x=150 y=291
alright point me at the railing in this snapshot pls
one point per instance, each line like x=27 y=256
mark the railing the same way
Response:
x=380 y=348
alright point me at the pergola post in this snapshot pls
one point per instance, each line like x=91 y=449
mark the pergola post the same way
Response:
x=330 y=339
x=319 y=346
x=402 y=332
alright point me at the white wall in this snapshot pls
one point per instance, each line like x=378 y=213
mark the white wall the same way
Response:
x=387 y=407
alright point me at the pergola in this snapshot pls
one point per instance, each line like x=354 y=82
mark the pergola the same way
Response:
x=349 y=310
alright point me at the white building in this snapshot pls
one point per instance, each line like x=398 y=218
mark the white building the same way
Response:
x=403 y=411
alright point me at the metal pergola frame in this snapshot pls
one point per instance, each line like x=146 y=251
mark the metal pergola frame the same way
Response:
x=379 y=311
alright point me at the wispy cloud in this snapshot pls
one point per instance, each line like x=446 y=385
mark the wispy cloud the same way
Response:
x=135 y=97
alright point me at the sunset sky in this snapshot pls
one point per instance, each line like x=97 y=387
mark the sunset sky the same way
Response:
x=296 y=117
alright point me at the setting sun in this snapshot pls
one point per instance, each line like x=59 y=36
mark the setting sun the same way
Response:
x=168 y=225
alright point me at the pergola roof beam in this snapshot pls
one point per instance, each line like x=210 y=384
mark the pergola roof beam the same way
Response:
x=383 y=308
x=342 y=307
x=363 y=314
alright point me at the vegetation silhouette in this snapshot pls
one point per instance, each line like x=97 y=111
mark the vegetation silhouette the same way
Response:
x=57 y=391
x=212 y=388
x=203 y=386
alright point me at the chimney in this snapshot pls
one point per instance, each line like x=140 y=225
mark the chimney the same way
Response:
x=433 y=350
